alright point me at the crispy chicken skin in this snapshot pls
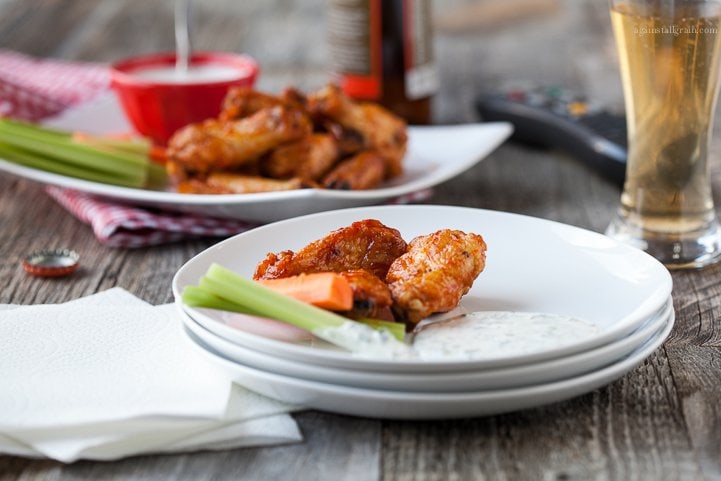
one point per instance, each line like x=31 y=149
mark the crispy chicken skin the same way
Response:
x=308 y=158
x=360 y=172
x=371 y=296
x=225 y=183
x=435 y=272
x=216 y=145
x=366 y=244
x=242 y=102
x=381 y=130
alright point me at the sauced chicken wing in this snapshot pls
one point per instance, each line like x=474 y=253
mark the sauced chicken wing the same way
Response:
x=435 y=272
x=225 y=183
x=308 y=158
x=349 y=141
x=382 y=131
x=215 y=145
x=241 y=102
x=360 y=172
x=371 y=296
x=366 y=244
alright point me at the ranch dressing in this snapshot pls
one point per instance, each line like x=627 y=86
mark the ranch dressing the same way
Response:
x=493 y=334
x=193 y=74
x=474 y=336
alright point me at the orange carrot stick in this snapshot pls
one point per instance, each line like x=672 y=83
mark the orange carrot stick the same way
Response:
x=326 y=290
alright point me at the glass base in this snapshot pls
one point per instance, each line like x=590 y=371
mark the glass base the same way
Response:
x=688 y=250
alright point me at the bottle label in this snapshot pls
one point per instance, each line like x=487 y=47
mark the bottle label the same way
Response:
x=354 y=42
x=355 y=46
x=422 y=77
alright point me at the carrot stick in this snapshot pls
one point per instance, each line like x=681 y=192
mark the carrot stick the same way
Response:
x=326 y=290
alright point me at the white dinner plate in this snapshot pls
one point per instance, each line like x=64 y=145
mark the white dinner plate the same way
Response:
x=533 y=265
x=435 y=155
x=480 y=380
x=418 y=405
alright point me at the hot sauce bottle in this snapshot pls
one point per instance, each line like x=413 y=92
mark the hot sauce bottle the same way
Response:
x=382 y=51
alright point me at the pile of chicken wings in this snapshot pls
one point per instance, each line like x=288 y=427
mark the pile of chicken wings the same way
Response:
x=263 y=143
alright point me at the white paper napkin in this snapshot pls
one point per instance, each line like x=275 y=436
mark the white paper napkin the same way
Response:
x=109 y=376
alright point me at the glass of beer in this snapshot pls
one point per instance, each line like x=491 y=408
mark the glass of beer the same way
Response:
x=669 y=53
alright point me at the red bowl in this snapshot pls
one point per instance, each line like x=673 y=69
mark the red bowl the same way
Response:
x=157 y=108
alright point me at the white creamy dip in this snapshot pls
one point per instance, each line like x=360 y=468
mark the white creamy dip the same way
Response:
x=474 y=336
x=194 y=74
x=364 y=341
x=493 y=334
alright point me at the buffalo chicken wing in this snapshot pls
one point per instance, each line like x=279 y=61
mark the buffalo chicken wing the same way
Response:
x=366 y=244
x=435 y=272
x=214 y=145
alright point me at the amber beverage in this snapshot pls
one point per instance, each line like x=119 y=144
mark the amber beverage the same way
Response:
x=669 y=54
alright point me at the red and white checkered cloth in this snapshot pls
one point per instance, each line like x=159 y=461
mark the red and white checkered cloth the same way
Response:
x=32 y=89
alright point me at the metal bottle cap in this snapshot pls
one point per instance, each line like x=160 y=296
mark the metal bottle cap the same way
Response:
x=51 y=262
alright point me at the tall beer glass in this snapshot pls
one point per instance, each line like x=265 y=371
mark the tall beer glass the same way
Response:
x=669 y=53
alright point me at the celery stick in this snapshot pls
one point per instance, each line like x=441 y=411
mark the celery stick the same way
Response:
x=58 y=146
x=229 y=285
x=91 y=159
x=10 y=123
x=157 y=176
x=139 y=146
x=195 y=296
x=396 y=328
x=28 y=159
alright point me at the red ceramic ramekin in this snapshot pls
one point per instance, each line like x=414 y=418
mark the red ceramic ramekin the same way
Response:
x=158 y=108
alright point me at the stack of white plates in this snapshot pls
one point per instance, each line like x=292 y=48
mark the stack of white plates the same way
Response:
x=533 y=265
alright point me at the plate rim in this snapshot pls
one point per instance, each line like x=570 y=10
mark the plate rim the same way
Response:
x=599 y=356
x=464 y=404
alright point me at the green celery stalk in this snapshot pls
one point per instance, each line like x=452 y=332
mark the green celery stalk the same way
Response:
x=29 y=159
x=197 y=296
x=38 y=141
x=124 y=162
x=396 y=328
x=228 y=285
x=138 y=146
x=39 y=129
x=157 y=176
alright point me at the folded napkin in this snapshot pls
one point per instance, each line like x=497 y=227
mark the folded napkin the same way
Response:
x=109 y=376
x=35 y=89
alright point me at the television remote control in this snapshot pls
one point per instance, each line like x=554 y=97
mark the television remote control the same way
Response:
x=551 y=117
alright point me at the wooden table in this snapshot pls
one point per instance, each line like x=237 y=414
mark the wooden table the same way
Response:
x=661 y=421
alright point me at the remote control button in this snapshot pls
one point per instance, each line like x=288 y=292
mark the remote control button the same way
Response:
x=517 y=95
x=577 y=108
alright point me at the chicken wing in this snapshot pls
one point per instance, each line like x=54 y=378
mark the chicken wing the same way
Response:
x=216 y=145
x=435 y=272
x=242 y=102
x=381 y=130
x=226 y=183
x=371 y=296
x=360 y=172
x=308 y=158
x=366 y=244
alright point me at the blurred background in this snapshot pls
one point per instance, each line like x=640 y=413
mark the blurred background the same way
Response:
x=480 y=45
